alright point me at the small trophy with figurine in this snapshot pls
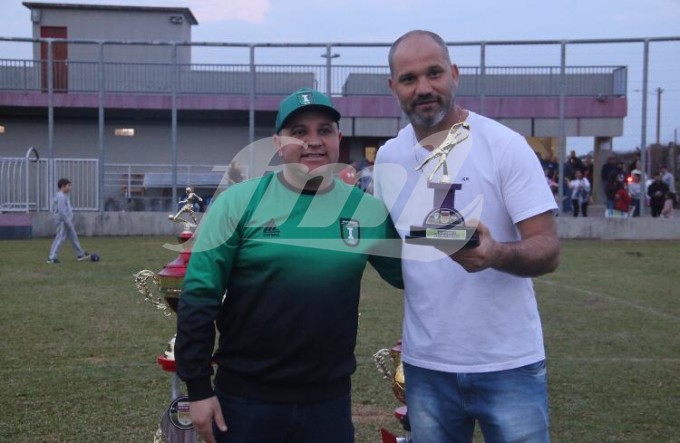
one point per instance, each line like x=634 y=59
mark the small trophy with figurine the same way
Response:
x=444 y=225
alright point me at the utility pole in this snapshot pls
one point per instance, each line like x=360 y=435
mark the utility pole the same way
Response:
x=659 y=91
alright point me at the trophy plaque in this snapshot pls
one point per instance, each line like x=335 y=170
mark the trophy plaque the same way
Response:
x=444 y=225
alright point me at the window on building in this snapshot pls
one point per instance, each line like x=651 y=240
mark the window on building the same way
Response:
x=125 y=132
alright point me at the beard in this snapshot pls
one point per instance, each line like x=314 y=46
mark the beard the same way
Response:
x=429 y=120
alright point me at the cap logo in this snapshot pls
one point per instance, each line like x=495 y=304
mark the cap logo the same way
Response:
x=305 y=98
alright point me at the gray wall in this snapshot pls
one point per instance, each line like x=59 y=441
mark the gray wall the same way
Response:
x=197 y=143
x=156 y=223
x=121 y=26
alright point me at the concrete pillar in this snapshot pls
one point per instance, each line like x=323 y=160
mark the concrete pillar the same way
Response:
x=603 y=148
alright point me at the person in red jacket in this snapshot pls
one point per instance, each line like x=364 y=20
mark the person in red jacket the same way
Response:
x=622 y=199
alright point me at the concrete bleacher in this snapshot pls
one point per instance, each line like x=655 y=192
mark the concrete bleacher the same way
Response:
x=501 y=84
x=365 y=84
x=359 y=84
x=267 y=83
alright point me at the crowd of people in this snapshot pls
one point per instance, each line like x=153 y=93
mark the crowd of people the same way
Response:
x=577 y=184
x=624 y=191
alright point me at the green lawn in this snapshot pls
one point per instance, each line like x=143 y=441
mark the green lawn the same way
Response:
x=79 y=344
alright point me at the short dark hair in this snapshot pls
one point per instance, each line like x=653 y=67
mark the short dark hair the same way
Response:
x=63 y=182
x=437 y=39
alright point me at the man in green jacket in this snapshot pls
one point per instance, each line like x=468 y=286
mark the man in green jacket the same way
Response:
x=277 y=267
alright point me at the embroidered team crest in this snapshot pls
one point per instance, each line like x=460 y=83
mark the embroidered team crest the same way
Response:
x=350 y=231
x=305 y=98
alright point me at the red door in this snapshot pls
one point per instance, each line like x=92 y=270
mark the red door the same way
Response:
x=59 y=58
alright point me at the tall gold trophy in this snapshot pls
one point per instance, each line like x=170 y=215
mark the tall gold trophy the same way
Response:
x=444 y=225
x=175 y=425
x=168 y=282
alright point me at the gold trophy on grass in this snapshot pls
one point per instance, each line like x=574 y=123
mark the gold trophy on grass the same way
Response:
x=175 y=425
x=444 y=225
x=390 y=366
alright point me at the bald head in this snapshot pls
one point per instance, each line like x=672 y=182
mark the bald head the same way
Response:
x=418 y=33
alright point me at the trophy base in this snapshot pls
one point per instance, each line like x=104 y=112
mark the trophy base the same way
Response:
x=176 y=425
x=457 y=236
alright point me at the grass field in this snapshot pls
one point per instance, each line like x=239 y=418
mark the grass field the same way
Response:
x=79 y=344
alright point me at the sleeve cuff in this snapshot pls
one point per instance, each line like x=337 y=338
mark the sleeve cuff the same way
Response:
x=200 y=389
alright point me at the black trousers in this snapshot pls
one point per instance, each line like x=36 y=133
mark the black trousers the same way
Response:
x=575 y=208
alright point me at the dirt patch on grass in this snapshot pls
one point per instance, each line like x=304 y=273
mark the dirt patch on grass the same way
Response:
x=368 y=414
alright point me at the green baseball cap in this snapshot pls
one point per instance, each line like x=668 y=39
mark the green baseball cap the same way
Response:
x=304 y=99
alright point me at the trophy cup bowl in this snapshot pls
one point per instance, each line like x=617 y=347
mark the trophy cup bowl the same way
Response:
x=444 y=226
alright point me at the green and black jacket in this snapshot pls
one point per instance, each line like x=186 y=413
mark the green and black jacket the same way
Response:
x=278 y=271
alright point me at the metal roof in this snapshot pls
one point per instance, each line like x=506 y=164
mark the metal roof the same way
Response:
x=184 y=11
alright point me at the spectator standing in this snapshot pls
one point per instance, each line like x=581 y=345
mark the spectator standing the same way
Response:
x=568 y=171
x=636 y=163
x=62 y=214
x=587 y=168
x=668 y=178
x=657 y=195
x=608 y=168
x=575 y=163
x=580 y=193
x=622 y=200
x=612 y=184
x=553 y=167
x=635 y=191
x=667 y=210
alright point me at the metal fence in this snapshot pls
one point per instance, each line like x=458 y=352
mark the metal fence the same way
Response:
x=644 y=70
x=28 y=183
x=84 y=173
x=160 y=78
x=20 y=182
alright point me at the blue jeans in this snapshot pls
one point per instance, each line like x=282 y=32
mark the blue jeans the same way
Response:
x=250 y=421
x=610 y=203
x=636 y=205
x=511 y=406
